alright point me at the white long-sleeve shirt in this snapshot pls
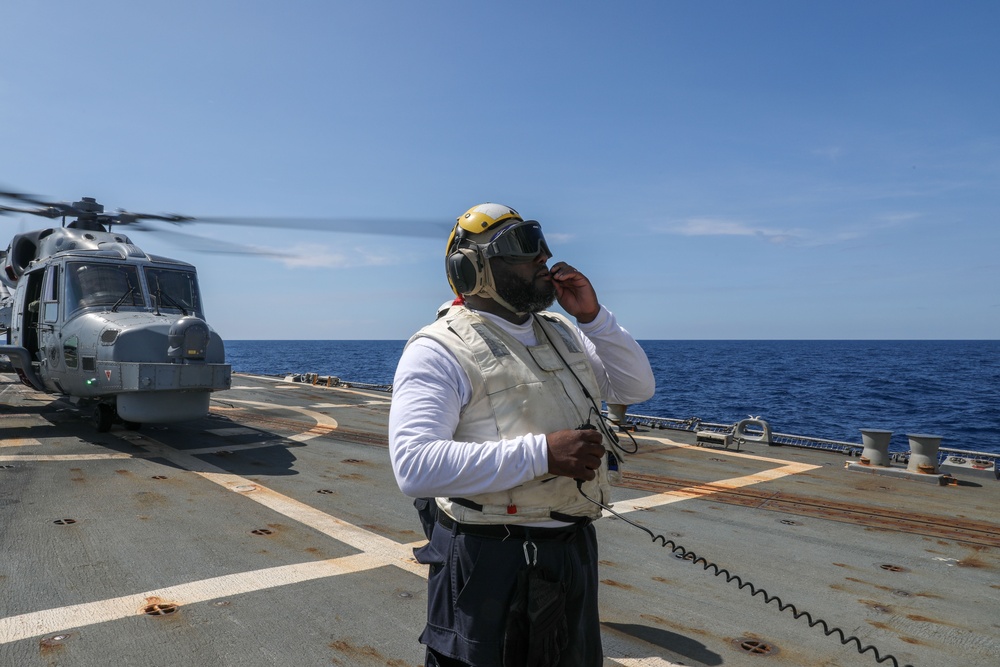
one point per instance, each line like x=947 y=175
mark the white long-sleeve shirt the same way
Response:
x=430 y=390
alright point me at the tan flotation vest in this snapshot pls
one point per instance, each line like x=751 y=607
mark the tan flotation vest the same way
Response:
x=522 y=390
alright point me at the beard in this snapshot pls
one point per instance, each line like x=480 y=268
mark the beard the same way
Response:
x=522 y=294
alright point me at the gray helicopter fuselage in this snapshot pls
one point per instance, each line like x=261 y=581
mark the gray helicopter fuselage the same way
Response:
x=97 y=319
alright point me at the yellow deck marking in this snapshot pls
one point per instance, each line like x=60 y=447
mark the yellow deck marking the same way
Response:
x=359 y=538
x=700 y=491
x=371 y=543
x=324 y=423
x=321 y=385
x=376 y=550
x=19 y=442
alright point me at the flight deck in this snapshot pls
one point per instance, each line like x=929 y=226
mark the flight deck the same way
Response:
x=272 y=533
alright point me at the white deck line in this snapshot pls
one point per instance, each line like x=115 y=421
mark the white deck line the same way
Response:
x=14 y=458
x=62 y=619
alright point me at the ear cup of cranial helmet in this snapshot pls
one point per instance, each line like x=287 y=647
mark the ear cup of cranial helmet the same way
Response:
x=465 y=270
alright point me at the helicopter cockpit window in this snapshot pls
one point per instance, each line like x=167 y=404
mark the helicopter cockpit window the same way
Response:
x=173 y=290
x=50 y=295
x=90 y=284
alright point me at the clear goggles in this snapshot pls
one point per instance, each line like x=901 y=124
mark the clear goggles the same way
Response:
x=518 y=244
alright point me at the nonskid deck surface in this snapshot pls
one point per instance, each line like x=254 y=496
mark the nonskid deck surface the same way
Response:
x=272 y=532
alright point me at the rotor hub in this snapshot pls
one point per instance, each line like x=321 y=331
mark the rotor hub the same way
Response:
x=88 y=205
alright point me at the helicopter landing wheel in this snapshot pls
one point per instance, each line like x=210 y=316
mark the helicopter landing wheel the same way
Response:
x=103 y=417
x=131 y=426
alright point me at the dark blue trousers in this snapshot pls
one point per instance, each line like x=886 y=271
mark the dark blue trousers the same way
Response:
x=471 y=583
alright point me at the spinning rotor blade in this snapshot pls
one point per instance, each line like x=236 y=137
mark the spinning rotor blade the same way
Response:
x=20 y=196
x=49 y=209
x=48 y=212
x=90 y=210
x=396 y=227
x=12 y=209
x=214 y=246
x=87 y=208
x=127 y=218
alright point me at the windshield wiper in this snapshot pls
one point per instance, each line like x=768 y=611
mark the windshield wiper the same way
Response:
x=119 y=302
x=164 y=297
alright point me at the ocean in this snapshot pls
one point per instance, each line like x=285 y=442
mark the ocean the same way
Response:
x=820 y=388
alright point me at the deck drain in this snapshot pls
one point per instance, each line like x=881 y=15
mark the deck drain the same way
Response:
x=324 y=491
x=160 y=609
x=755 y=646
x=6 y=466
x=64 y=522
x=893 y=568
x=902 y=594
x=789 y=522
x=261 y=531
x=352 y=461
x=159 y=477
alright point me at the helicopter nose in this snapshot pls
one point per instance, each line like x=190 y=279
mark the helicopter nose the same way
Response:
x=188 y=340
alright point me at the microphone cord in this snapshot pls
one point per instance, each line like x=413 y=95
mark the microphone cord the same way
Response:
x=685 y=554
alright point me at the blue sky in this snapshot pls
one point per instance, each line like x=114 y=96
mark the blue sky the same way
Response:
x=719 y=169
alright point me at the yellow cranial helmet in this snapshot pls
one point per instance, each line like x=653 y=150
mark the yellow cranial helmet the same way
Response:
x=465 y=262
x=483 y=217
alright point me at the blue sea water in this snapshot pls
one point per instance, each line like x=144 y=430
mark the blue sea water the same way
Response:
x=825 y=389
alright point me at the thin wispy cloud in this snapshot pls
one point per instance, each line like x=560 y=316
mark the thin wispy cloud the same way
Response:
x=728 y=227
x=324 y=257
x=810 y=233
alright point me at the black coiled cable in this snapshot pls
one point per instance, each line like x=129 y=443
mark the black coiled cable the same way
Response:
x=675 y=548
x=707 y=565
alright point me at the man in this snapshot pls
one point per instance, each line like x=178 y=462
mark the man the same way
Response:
x=490 y=414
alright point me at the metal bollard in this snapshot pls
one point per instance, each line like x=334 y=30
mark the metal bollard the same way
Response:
x=923 y=453
x=616 y=414
x=876 y=444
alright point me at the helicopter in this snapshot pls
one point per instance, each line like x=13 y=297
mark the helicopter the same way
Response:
x=89 y=316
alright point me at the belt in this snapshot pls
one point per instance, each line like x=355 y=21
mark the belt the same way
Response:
x=503 y=531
